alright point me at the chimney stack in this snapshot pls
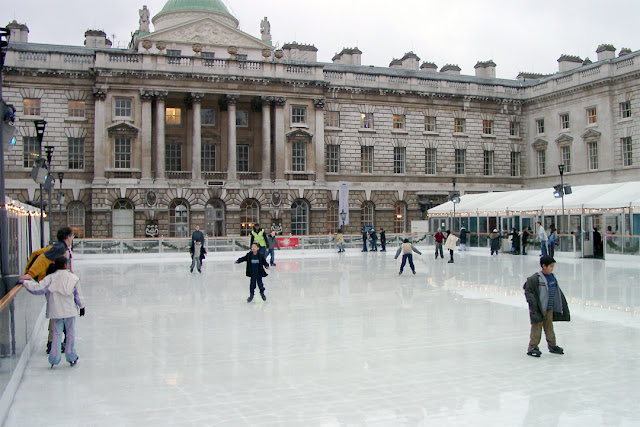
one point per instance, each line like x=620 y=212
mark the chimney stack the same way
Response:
x=96 y=38
x=451 y=69
x=606 y=51
x=300 y=52
x=486 y=69
x=348 y=56
x=429 y=66
x=568 y=62
x=18 y=33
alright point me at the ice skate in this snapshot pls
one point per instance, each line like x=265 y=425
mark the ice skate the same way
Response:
x=534 y=352
x=556 y=350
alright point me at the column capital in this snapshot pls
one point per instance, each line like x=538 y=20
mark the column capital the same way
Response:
x=279 y=101
x=100 y=93
x=146 y=94
x=195 y=97
x=266 y=100
x=319 y=103
x=160 y=95
x=232 y=99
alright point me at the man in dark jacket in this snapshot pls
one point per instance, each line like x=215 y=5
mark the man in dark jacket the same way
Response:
x=365 y=237
x=383 y=240
x=546 y=305
x=256 y=264
x=525 y=238
x=463 y=239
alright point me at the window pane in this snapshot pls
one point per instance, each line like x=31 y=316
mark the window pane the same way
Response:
x=399 y=159
x=398 y=122
x=332 y=217
x=76 y=109
x=298 y=115
x=123 y=107
x=208 y=159
x=173 y=116
x=566 y=158
x=515 y=164
x=564 y=121
x=242 y=158
x=459 y=125
x=173 y=156
x=430 y=124
x=541 y=162
x=179 y=219
x=367 y=214
x=31 y=107
x=625 y=109
x=299 y=156
x=460 y=161
x=122 y=153
x=299 y=218
x=593 y=155
x=208 y=117
x=333 y=158
x=627 y=151
x=400 y=218
x=31 y=151
x=242 y=119
x=487 y=127
x=366 y=159
x=75 y=218
x=514 y=128
x=332 y=119
x=75 y=153
x=366 y=120
x=430 y=161
x=591 y=116
x=488 y=163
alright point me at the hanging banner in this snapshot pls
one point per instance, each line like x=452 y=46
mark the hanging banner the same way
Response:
x=343 y=203
x=288 y=242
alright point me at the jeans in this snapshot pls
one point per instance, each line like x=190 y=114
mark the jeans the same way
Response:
x=543 y=247
x=341 y=247
x=196 y=263
x=252 y=285
x=406 y=257
x=270 y=252
x=55 y=354
x=439 y=249
x=383 y=243
x=263 y=251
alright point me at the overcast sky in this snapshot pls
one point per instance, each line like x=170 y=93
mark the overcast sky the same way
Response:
x=518 y=35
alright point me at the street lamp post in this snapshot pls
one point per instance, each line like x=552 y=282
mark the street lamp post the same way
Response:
x=343 y=218
x=40 y=127
x=60 y=200
x=455 y=199
x=49 y=150
x=561 y=169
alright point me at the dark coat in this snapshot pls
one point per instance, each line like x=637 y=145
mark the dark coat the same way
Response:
x=263 y=264
x=463 y=236
x=197 y=235
x=383 y=237
x=495 y=241
x=203 y=251
x=532 y=294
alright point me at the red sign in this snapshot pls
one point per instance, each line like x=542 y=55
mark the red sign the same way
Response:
x=288 y=242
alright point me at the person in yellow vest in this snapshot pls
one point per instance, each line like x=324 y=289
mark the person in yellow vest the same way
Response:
x=40 y=260
x=258 y=237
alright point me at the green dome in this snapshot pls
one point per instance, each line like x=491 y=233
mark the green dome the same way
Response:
x=215 y=6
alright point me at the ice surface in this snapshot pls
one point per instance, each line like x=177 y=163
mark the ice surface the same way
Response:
x=341 y=341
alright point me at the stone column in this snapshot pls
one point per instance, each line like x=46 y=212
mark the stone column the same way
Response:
x=319 y=137
x=280 y=156
x=99 y=135
x=266 y=137
x=195 y=99
x=231 y=144
x=160 y=95
x=146 y=96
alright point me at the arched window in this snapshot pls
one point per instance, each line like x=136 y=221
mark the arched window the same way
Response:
x=367 y=214
x=122 y=219
x=179 y=219
x=299 y=218
x=249 y=215
x=400 y=218
x=214 y=218
x=75 y=218
x=333 y=219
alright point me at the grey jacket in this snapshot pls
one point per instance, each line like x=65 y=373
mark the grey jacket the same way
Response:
x=536 y=292
x=271 y=242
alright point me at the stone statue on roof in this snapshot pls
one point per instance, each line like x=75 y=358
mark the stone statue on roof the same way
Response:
x=144 y=19
x=265 y=30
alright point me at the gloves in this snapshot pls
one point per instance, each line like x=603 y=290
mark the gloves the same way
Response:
x=82 y=312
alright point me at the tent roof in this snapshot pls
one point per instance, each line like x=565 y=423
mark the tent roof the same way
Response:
x=600 y=196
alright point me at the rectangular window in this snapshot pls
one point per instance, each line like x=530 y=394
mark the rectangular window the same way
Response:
x=487 y=127
x=566 y=158
x=366 y=159
x=592 y=116
x=299 y=156
x=430 y=161
x=366 y=120
x=515 y=163
x=122 y=107
x=298 y=115
x=242 y=158
x=208 y=58
x=75 y=153
x=208 y=117
x=625 y=109
x=31 y=151
x=459 y=125
x=564 y=121
x=542 y=162
x=208 y=157
x=460 y=161
x=173 y=156
x=488 y=163
x=333 y=158
x=627 y=151
x=31 y=107
x=398 y=122
x=173 y=116
x=242 y=119
x=399 y=159
x=122 y=153
x=592 y=148
x=332 y=119
x=75 y=109
x=429 y=124
x=173 y=56
x=173 y=52
x=540 y=125
x=514 y=128
x=241 y=56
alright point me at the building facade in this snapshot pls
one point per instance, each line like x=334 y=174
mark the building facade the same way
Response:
x=200 y=123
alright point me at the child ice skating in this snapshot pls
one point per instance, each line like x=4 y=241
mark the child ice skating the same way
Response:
x=546 y=305
x=407 y=248
x=198 y=253
x=62 y=290
x=256 y=263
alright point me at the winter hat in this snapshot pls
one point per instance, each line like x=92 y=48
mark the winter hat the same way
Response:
x=439 y=229
x=495 y=230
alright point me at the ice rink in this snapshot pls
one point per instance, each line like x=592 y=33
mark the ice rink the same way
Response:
x=341 y=341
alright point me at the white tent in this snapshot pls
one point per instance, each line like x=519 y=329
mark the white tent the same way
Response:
x=598 y=197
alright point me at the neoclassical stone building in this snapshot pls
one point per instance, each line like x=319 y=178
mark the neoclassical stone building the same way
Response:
x=200 y=123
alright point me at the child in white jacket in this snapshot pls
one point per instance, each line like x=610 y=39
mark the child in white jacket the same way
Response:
x=62 y=290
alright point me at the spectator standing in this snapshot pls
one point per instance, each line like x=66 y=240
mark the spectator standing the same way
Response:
x=374 y=240
x=383 y=240
x=272 y=244
x=542 y=236
x=526 y=233
x=259 y=237
x=365 y=238
x=463 y=239
x=439 y=238
x=494 y=242
x=552 y=242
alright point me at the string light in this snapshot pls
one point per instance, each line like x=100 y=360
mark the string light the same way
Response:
x=19 y=210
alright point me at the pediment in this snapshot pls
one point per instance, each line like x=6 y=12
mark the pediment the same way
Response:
x=207 y=31
x=564 y=139
x=540 y=144
x=122 y=128
x=591 y=134
x=299 y=133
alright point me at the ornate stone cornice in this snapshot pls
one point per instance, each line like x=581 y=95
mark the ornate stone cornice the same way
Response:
x=160 y=95
x=195 y=97
x=319 y=103
x=280 y=101
x=232 y=99
x=266 y=100
x=146 y=95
